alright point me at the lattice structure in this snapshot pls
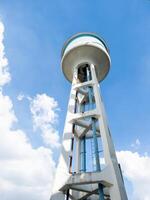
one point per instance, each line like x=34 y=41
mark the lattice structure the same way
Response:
x=88 y=167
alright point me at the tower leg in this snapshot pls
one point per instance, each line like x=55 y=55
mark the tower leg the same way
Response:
x=83 y=155
x=62 y=172
x=117 y=191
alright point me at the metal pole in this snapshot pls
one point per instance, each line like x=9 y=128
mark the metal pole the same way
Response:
x=67 y=195
x=83 y=147
x=82 y=155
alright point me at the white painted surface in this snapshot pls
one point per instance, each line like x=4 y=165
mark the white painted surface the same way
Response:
x=83 y=41
x=86 y=49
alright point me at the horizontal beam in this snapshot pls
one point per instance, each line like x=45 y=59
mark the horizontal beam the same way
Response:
x=84 y=124
x=103 y=177
x=78 y=116
x=79 y=85
x=85 y=188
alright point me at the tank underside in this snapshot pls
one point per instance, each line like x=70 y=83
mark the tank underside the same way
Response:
x=86 y=54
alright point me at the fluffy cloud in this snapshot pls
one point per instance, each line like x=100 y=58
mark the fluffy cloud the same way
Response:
x=136 y=169
x=4 y=72
x=20 y=97
x=7 y=116
x=43 y=109
x=25 y=172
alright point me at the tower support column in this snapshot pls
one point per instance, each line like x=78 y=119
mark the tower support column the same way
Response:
x=118 y=189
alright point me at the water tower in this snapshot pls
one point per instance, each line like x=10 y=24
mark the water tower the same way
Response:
x=87 y=168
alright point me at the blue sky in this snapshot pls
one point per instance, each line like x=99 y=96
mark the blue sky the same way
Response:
x=34 y=35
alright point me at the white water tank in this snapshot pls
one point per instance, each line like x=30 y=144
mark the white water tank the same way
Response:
x=85 y=48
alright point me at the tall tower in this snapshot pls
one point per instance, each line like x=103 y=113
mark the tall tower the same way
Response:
x=87 y=168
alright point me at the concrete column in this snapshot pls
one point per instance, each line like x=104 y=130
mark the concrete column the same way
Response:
x=117 y=191
x=62 y=172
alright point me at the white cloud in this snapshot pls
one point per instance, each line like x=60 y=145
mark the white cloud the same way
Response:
x=20 y=97
x=7 y=117
x=4 y=72
x=43 y=109
x=25 y=172
x=136 y=144
x=136 y=169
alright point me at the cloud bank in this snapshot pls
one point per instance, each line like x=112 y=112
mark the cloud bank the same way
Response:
x=25 y=172
x=4 y=73
x=136 y=169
